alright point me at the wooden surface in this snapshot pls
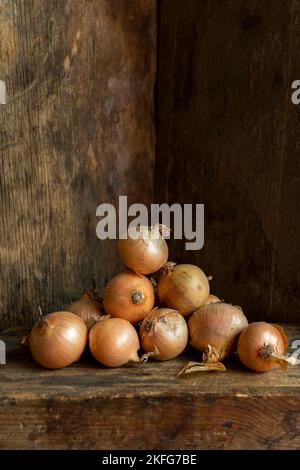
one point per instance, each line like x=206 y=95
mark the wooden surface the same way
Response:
x=86 y=406
x=77 y=131
x=228 y=137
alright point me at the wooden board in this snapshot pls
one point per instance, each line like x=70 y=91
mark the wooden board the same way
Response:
x=87 y=406
x=228 y=137
x=77 y=131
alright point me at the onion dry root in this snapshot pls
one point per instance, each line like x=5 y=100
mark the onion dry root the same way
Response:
x=129 y=296
x=214 y=330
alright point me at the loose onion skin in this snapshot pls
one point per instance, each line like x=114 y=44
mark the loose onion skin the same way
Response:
x=114 y=342
x=214 y=329
x=58 y=340
x=88 y=308
x=183 y=287
x=165 y=332
x=144 y=254
x=129 y=296
x=261 y=347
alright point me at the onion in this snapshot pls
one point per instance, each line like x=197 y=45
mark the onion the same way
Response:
x=214 y=330
x=144 y=250
x=164 y=331
x=129 y=296
x=261 y=347
x=58 y=340
x=114 y=342
x=89 y=308
x=183 y=287
x=217 y=325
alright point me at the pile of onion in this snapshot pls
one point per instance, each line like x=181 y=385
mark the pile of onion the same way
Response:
x=262 y=346
x=129 y=296
x=114 y=342
x=58 y=340
x=89 y=308
x=164 y=333
x=144 y=250
x=214 y=330
x=183 y=287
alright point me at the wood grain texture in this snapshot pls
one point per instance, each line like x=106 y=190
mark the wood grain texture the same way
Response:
x=77 y=131
x=144 y=406
x=228 y=137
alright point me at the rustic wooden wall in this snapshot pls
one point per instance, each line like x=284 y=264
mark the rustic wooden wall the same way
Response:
x=77 y=130
x=228 y=137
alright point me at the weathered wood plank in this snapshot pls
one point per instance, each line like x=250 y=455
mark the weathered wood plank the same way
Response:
x=227 y=136
x=77 y=131
x=87 y=406
x=205 y=422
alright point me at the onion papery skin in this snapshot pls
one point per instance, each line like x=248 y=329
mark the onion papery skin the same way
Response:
x=183 y=287
x=129 y=296
x=114 y=342
x=216 y=326
x=144 y=255
x=58 y=340
x=260 y=336
x=90 y=311
x=164 y=330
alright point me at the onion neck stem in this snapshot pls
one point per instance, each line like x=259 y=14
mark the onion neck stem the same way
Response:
x=44 y=324
x=145 y=357
x=134 y=358
x=212 y=355
x=270 y=353
x=168 y=268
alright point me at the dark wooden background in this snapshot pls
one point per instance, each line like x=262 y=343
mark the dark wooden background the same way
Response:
x=78 y=130
x=228 y=137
